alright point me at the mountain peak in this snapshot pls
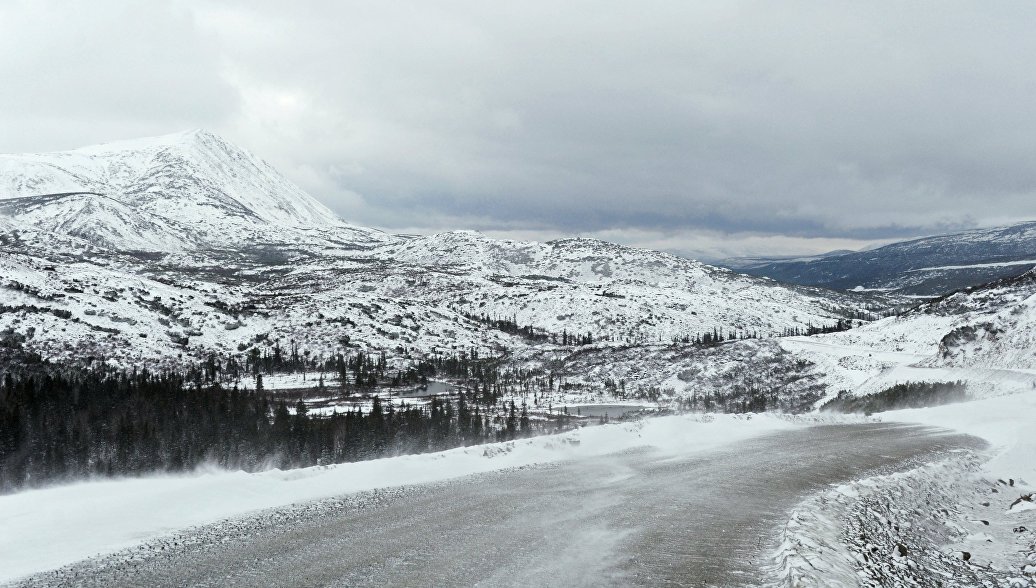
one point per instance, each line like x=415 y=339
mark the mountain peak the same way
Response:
x=189 y=137
x=191 y=178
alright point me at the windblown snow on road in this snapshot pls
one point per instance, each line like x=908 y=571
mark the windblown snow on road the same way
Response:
x=659 y=509
x=44 y=529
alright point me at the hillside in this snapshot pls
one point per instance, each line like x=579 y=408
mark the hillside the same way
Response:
x=177 y=192
x=928 y=266
x=982 y=336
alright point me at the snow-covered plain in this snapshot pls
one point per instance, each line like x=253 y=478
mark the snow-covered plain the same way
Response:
x=44 y=529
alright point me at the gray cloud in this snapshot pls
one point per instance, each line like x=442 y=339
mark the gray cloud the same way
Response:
x=735 y=126
x=76 y=73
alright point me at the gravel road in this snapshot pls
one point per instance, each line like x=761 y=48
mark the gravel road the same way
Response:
x=637 y=518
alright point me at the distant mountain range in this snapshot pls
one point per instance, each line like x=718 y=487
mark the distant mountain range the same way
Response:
x=928 y=266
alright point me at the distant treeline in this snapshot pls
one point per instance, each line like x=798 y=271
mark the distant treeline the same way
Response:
x=529 y=332
x=753 y=398
x=716 y=336
x=60 y=424
x=908 y=395
x=811 y=329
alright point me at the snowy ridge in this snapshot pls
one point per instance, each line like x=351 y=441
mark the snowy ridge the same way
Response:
x=98 y=219
x=982 y=336
x=1000 y=329
x=191 y=305
x=927 y=266
x=152 y=189
x=585 y=285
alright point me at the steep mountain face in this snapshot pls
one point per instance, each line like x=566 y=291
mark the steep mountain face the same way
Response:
x=98 y=219
x=169 y=193
x=173 y=248
x=928 y=266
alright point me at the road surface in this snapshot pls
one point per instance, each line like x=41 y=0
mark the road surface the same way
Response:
x=636 y=518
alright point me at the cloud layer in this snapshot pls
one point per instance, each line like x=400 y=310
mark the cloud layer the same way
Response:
x=734 y=127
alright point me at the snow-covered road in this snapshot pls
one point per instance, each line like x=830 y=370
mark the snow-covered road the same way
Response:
x=641 y=516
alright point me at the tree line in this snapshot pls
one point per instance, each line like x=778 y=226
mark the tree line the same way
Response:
x=59 y=423
x=511 y=326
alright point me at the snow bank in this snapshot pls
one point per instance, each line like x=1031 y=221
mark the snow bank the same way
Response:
x=957 y=518
x=1008 y=423
x=45 y=529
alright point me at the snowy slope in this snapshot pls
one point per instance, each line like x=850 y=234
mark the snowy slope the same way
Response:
x=98 y=219
x=227 y=304
x=78 y=303
x=927 y=266
x=982 y=335
x=589 y=286
x=1000 y=328
x=163 y=193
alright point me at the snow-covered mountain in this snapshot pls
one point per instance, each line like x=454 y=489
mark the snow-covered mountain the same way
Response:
x=928 y=266
x=170 y=193
x=99 y=219
x=982 y=335
x=184 y=245
x=586 y=285
x=998 y=327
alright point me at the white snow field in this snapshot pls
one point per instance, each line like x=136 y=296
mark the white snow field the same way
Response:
x=47 y=528
x=1007 y=423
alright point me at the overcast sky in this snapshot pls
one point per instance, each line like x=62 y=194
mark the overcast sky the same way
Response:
x=708 y=128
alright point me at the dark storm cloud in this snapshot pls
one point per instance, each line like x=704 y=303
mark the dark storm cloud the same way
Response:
x=715 y=125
